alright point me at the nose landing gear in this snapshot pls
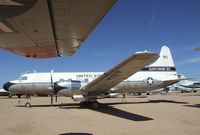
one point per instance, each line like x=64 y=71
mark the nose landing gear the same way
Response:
x=27 y=101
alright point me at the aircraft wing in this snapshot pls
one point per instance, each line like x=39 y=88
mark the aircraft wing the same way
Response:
x=48 y=28
x=118 y=73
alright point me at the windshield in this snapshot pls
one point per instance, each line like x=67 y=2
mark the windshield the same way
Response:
x=23 y=78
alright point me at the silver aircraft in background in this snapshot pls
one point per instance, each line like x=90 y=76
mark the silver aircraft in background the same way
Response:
x=3 y=92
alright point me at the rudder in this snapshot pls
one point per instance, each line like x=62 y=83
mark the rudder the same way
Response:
x=165 y=59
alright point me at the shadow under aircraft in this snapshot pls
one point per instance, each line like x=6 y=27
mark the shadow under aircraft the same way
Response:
x=195 y=105
x=108 y=108
x=75 y=134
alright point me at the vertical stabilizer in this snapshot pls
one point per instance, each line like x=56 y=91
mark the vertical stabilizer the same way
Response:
x=165 y=59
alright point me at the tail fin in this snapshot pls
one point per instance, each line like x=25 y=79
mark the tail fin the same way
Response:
x=184 y=79
x=163 y=68
x=165 y=59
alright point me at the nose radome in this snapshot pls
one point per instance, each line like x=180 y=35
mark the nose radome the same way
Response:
x=7 y=85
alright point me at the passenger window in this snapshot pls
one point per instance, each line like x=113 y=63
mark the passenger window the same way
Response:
x=86 y=80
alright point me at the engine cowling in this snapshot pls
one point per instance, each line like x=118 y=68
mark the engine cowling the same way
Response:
x=78 y=98
x=68 y=87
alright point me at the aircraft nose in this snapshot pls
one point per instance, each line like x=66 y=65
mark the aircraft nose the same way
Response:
x=7 y=85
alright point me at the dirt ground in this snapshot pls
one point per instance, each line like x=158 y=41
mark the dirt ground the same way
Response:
x=171 y=114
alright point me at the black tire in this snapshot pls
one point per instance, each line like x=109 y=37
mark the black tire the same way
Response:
x=9 y=96
x=19 y=96
x=182 y=91
x=28 y=105
x=95 y=105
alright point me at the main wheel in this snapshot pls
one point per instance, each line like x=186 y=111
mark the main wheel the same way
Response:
x=19 y=96
x=95 y=105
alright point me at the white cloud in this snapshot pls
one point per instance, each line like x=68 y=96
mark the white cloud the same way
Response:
x=153 y=14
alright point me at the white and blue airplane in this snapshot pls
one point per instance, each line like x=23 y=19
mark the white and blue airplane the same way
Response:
x=134 y=74
x=186 y=85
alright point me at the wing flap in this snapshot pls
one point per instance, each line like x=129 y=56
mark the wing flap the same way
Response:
x=118 y=73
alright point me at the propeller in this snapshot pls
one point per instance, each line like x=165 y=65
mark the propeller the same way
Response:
x=54 y=89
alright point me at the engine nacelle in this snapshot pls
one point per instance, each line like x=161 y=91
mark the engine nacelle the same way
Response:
x=68 y=87
x=78 y=98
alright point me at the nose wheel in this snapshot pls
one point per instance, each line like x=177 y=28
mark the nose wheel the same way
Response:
x=28 y=102
x=28 y=105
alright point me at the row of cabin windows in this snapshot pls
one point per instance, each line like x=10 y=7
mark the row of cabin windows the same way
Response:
x=26 y=78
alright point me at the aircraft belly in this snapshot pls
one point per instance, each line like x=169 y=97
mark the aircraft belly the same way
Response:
x=69 y=92
x=137 y=86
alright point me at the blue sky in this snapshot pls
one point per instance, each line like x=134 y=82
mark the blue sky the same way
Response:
x=131 y=25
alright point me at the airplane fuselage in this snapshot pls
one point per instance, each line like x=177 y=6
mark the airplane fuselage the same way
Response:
x=70 y=83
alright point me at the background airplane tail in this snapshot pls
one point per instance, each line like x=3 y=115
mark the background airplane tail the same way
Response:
x=165 y=59
x=163 y=68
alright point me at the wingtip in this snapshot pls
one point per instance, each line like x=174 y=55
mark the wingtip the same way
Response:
x=147 y=52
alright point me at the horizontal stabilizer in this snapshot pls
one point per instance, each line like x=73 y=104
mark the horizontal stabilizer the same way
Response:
x=170 y=82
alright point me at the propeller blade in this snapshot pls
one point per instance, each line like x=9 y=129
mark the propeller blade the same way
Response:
x=52 y=83
x=52 y=87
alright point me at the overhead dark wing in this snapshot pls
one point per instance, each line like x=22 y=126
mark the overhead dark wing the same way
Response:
x=48 y=28
x=118 y=73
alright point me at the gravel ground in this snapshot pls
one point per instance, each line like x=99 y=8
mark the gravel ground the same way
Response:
x=171 y=114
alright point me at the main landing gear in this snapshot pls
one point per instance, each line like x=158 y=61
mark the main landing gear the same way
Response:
x=91 y=104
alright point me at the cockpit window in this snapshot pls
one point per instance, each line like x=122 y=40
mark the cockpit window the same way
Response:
x=23 y=78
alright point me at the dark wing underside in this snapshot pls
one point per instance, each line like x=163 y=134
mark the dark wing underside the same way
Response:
x=48 y=28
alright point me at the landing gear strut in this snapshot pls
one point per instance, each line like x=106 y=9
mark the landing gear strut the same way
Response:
x=28 y=101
